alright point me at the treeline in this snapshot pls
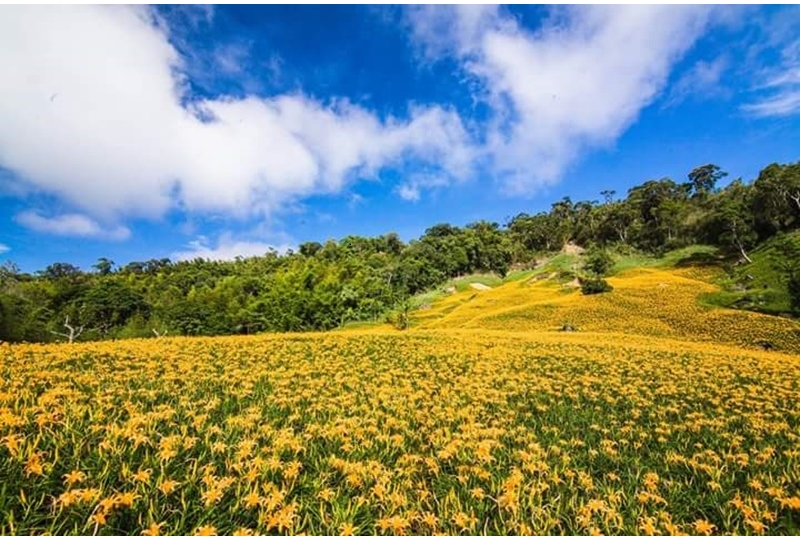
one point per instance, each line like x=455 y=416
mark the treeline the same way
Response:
x=323 y=286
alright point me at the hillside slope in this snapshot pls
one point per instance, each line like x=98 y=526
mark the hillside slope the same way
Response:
x=653 y=302
x=762 y=284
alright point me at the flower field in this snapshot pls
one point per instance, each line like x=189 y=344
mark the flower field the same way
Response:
x=645 y=302
x=428 y=431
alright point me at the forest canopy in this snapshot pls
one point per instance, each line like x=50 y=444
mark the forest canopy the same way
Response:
x=324 y=286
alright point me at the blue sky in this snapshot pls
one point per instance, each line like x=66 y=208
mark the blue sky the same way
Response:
x=136 y=133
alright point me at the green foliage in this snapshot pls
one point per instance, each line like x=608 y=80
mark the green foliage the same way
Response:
x=627 y=257
x=595 y=285
x=762 y=285
x=731 y=223
x=776 y=201
x=357 y=279
x=793 y=288
x=402 y=320
x=703 y=179
x=598 y=262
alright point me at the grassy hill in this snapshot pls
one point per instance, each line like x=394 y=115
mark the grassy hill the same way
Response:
x=761 y=285
x=677 y=296
x=658 y=415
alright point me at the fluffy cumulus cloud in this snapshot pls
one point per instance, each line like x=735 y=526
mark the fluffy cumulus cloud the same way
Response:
x=71 y=225
x=576 y=83
x=96 y=111
x=227 y=248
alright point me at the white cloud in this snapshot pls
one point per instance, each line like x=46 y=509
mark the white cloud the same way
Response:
x=71 y=225
x=575 y=84
x=227 y=249
x=701 y=81
x=4 y=248
x=781 y=88
x=784 y=103
x=774 y=65
x=94 y=111
x=411 y=190
x=230 y=58
x=787 y=77
x=355 y=200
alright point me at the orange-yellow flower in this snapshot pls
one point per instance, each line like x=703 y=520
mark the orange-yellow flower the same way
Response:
x=704 y=527
x=153 y=530
x=167 y=486
x=142 y=476
x=347 y=529
x=206 y=530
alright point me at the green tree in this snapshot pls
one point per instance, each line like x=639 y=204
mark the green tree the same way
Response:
x=309 y=249
x=659 y=204
x=616 y=220
x=533 y=233
x=598 y=262
x=110 y=303
x=563 y=215
x=103 y=266
x=777 y=198
x=704 y=179
x=732 y=222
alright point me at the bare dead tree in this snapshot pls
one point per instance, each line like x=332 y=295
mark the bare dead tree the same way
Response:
x=160 y=334
x=795 y=196
x=73 y=331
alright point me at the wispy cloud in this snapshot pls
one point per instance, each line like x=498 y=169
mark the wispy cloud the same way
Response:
x=780 y=90
x=777 y=81
x=700 y=82
x=231 y=59
x=226 y=249
x=784 y=103
x=71 y=225
x=4 y=248
x=411 y=190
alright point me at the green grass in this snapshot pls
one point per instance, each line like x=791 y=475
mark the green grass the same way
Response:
x=354 y=325
x=463 y=283
x=697 y=254
x=563 y=262
x=761 y=285
x=428 y=297
x=520 y=275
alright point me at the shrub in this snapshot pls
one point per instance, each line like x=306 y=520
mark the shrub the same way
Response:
x=598 y=262
x=595 y=286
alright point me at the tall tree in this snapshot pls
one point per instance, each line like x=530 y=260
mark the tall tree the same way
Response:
x=777 y=198
x=703 y=179
x=103 y=266
x=732 y=223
